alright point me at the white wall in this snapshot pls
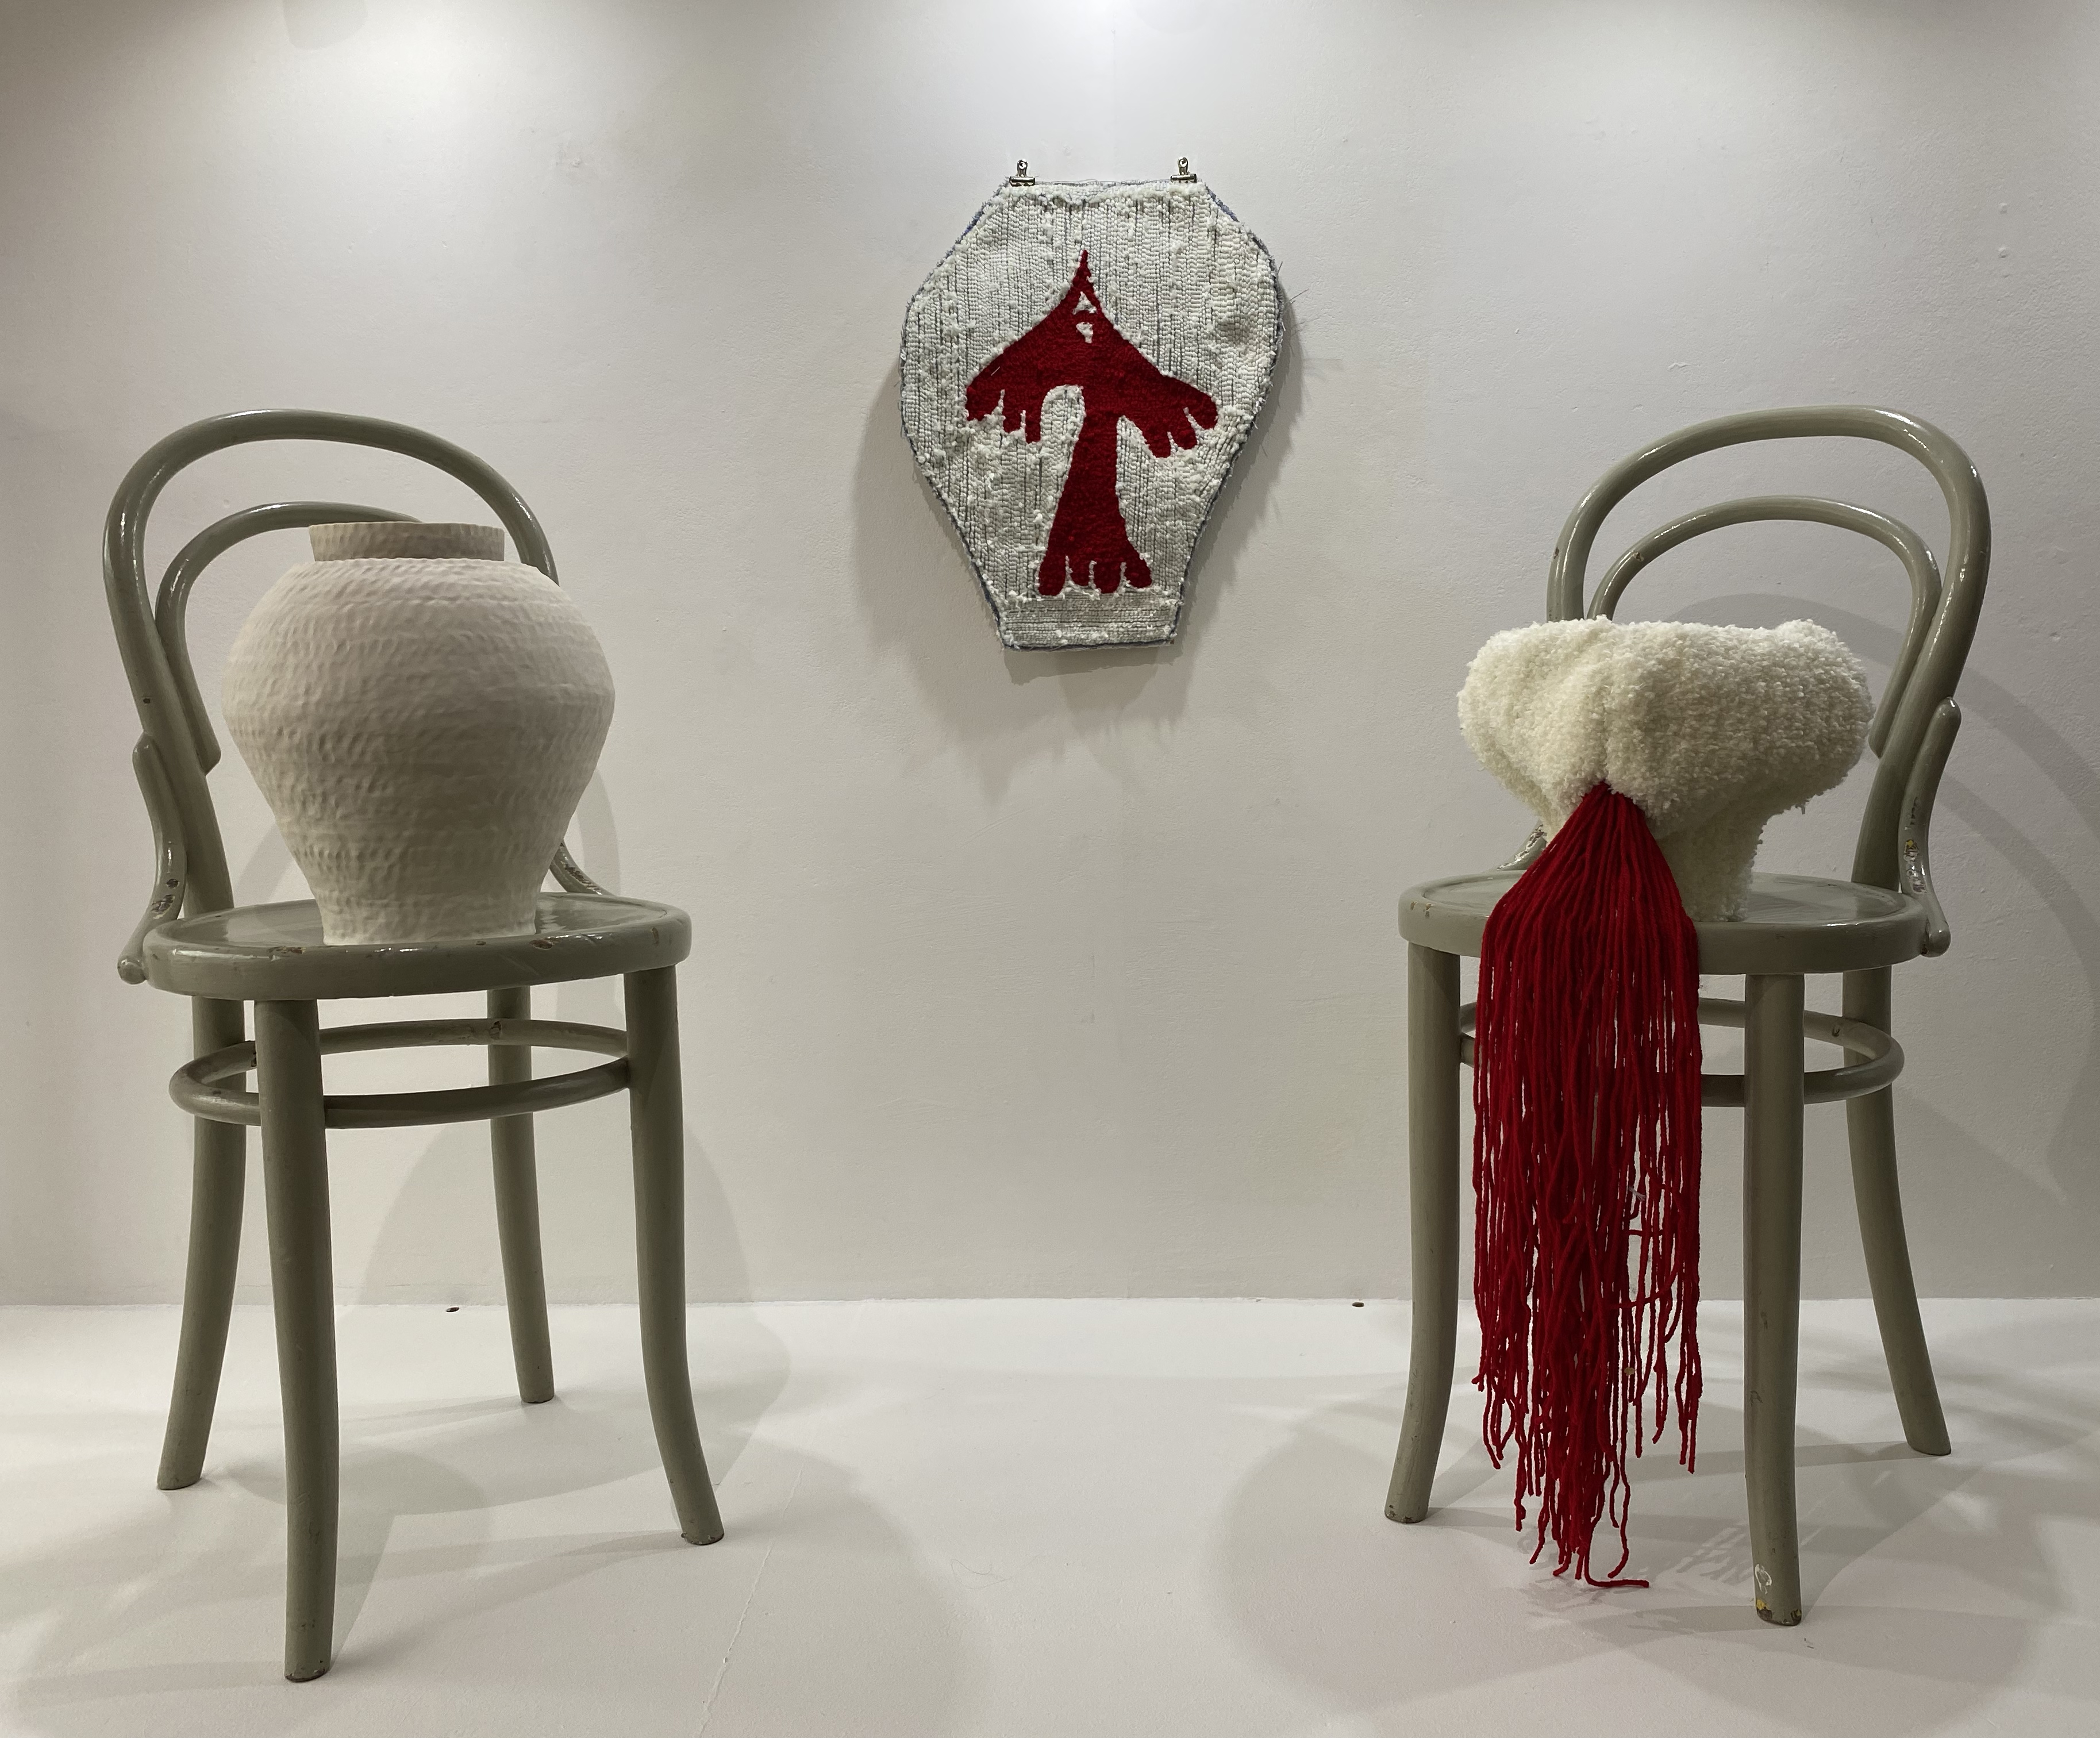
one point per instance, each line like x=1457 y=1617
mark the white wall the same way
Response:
x=1019 y=973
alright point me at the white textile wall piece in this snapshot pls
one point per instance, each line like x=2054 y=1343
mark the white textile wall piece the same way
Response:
x=1712 y=730
x=1078 y=375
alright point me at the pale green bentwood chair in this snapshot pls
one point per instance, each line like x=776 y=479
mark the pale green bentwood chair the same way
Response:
x=1887 y=913
x=194 y=941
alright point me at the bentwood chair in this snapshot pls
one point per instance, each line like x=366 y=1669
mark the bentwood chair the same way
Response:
x=194 y=941
x=1792 y=924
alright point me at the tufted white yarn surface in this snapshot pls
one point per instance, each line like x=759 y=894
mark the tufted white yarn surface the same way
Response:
x=1196 y=294
x=422 y=731
x=1712 y=730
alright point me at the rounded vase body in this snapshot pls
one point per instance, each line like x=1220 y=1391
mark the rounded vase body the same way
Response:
x=422 y=716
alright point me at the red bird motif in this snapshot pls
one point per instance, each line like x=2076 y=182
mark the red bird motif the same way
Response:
x=1076 y=344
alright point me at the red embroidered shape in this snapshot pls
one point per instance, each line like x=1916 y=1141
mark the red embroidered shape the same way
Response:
x=1076 y=344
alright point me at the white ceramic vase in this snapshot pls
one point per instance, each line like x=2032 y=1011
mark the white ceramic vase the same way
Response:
x=422 y=717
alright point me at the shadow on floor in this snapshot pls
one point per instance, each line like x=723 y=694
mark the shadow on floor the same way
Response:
x=499 y=1564
x=1382 y=1619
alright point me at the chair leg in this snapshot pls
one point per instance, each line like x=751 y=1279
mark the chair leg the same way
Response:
x=1772 y=1061
x=218 y=1179
x=1432 y=1162
x=1871 y=1123
x=288 y=1065
x=656 y=1114
x=517 y=1209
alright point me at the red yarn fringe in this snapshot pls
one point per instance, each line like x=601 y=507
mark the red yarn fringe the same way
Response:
x=1585 y=1168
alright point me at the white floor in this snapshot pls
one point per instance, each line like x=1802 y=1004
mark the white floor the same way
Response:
x=1022 y=1518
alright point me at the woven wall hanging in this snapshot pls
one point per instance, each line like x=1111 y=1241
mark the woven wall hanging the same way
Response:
x=1653 y=752
x=1078 y=376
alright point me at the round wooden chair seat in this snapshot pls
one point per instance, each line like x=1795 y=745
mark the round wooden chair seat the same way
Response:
x=275 y=953
x=1791 y=924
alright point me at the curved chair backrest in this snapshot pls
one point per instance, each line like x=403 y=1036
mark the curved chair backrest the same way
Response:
x=178 y=749
x=1914 y=725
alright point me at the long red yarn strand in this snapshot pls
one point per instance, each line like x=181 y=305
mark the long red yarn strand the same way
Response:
x=1586 y=1169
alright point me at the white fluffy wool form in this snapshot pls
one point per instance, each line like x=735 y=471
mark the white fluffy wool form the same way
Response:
x=1712 y=730
x=1187 y=283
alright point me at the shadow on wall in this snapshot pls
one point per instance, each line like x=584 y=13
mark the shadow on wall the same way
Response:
x=439 y=1235
x=585 y=1187
x=1303 y=1539
x=53 y=1218
x=260 y=879
x=323 y=24
x=2064 y=1246
x=923 y=603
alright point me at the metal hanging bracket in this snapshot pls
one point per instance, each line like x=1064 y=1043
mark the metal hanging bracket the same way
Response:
x=1021 y=176
x=1181 y=170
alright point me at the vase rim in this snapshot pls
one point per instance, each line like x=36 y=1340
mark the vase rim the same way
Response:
x=415 y=539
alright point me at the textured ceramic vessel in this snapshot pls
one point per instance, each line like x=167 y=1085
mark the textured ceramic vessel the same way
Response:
x=422 y=717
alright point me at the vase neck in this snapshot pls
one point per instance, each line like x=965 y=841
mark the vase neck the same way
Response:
x=412 y=539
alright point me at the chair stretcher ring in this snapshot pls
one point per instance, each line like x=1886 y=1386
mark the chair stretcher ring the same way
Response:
x=1819 y=1086
x=195 y=1086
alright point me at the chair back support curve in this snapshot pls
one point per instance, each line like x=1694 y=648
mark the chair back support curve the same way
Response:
x=177 y=750
x=1914 y=725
